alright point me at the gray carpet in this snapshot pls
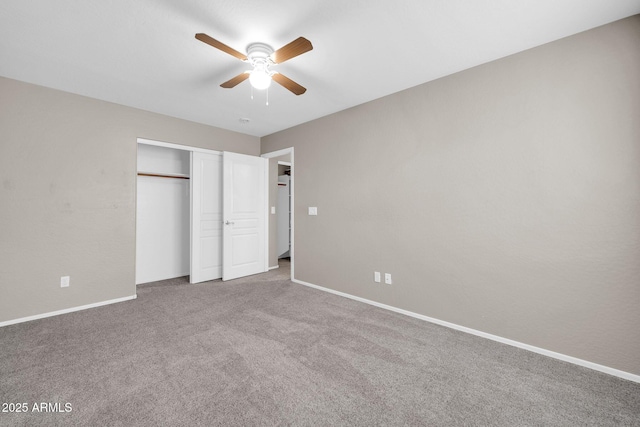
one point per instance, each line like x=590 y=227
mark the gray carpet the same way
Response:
x=265 y=351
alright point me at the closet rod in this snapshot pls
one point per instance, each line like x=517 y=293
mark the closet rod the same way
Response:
x=162 y=176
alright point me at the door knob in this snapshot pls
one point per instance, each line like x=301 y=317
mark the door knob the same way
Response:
x=229 y=222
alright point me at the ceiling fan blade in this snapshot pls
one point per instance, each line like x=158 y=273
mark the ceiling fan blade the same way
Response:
x=291 y=50
x=235 y=81
x=289 y=84
x=219 y=45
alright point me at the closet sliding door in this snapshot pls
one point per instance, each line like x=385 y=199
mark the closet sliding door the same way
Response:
x=244 y=192
x=228 y=216
x=206 y=217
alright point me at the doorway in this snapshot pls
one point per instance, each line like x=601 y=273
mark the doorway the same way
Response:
x=286 y=158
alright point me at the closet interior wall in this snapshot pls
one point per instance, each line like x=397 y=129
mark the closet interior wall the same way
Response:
x=163 y=215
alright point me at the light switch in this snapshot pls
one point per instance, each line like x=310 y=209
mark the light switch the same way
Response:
x=376 y=276
x=313 y=210
x=273 y=209
x=387 y=278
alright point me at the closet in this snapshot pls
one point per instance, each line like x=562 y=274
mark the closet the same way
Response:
x=200 y=213
x=162 y=218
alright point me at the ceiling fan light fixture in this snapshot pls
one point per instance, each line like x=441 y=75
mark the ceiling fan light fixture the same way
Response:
x=259 y=56
x=260 y=78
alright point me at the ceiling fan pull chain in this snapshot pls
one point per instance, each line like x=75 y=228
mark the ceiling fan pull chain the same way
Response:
x=252 y=93
x=267 y=96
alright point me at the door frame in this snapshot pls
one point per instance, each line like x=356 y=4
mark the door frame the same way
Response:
x=279 y=153
x=176 y=146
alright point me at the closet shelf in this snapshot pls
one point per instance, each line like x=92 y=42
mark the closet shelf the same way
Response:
x=164 y=175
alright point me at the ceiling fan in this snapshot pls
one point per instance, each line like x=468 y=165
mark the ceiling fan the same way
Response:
x=261 y=57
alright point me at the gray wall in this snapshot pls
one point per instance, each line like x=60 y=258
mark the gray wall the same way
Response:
x=67 y=194
x=505 y=198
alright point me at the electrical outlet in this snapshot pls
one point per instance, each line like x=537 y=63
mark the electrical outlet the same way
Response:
x=64 y=281
x=313 y=210
x=387 y=278
x=273 y=210
x=376 y=276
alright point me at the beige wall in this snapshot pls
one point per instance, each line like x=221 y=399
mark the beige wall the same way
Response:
x=505 y=198
x=67 y=194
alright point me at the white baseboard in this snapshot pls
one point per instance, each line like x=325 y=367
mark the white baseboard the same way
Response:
x=274 y=267
x=585 y=363
x=66 y=310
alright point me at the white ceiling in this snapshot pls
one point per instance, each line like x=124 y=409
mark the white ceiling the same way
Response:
x=143 y=53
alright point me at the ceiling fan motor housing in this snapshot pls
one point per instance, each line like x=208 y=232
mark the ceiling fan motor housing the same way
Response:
x=259 y=53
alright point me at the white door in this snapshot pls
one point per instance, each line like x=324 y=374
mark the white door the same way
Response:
x=206 y=217
x=244 y=215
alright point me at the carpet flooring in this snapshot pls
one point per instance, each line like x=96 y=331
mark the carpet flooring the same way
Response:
x=263 y=351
